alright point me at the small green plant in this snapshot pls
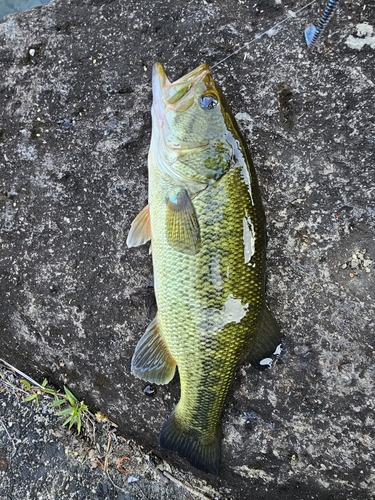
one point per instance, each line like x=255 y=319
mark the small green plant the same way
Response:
x=36 y=391
x=74 y=410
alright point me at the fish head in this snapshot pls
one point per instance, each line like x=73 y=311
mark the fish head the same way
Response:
x=193 y=136
x=180 y=96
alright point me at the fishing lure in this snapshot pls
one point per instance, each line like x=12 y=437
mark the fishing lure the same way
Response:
x=270 y=32
x=312 y=32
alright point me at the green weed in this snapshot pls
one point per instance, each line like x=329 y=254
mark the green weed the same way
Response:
x=72 y=408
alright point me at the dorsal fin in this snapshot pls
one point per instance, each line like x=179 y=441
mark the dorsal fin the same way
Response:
x=267 y=342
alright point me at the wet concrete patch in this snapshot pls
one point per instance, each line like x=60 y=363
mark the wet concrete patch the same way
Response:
x=11 y=6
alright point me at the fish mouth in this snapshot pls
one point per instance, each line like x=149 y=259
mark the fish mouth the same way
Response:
x=195 y=75
x=176 y=94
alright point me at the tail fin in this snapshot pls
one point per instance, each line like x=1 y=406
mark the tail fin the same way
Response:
x=202 y=455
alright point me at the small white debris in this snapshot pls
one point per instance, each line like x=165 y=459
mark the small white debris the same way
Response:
x=354 y=263
x=32 y=52
x=278 y=350
x=358 y=262
x=266 y=361
x=133 y=479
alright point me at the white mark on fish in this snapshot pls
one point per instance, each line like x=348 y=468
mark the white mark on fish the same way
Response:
x=234 y=311
x=245 y=174
x=216 y=319
x=248 y=239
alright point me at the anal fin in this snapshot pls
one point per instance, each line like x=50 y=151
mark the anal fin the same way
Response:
x=182 y=227
x=152 y=360
x=140 y=229
x=267 y=342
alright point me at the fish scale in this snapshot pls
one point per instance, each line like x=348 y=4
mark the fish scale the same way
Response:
x=207 y=229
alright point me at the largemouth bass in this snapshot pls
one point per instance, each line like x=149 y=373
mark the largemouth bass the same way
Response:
x=206 y=224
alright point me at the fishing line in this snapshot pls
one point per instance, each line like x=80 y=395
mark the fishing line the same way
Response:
x=291 y=14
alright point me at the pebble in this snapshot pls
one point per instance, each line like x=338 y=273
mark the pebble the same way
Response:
x=354 y=263
x=358 y=261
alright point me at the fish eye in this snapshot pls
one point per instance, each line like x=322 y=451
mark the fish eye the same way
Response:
x=208 y=101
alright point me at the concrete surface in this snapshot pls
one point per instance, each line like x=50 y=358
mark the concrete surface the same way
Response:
x=40 y=459
x=75 y=97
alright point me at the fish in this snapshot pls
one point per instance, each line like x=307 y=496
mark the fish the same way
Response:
x=206 y=224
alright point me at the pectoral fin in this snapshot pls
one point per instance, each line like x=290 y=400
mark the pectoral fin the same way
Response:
x=140 y=230
x=267 y=342
x=152 y=360
x=182 y=227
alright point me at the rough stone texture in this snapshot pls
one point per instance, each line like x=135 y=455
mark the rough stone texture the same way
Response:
x=75 y=98
x=40 y=459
